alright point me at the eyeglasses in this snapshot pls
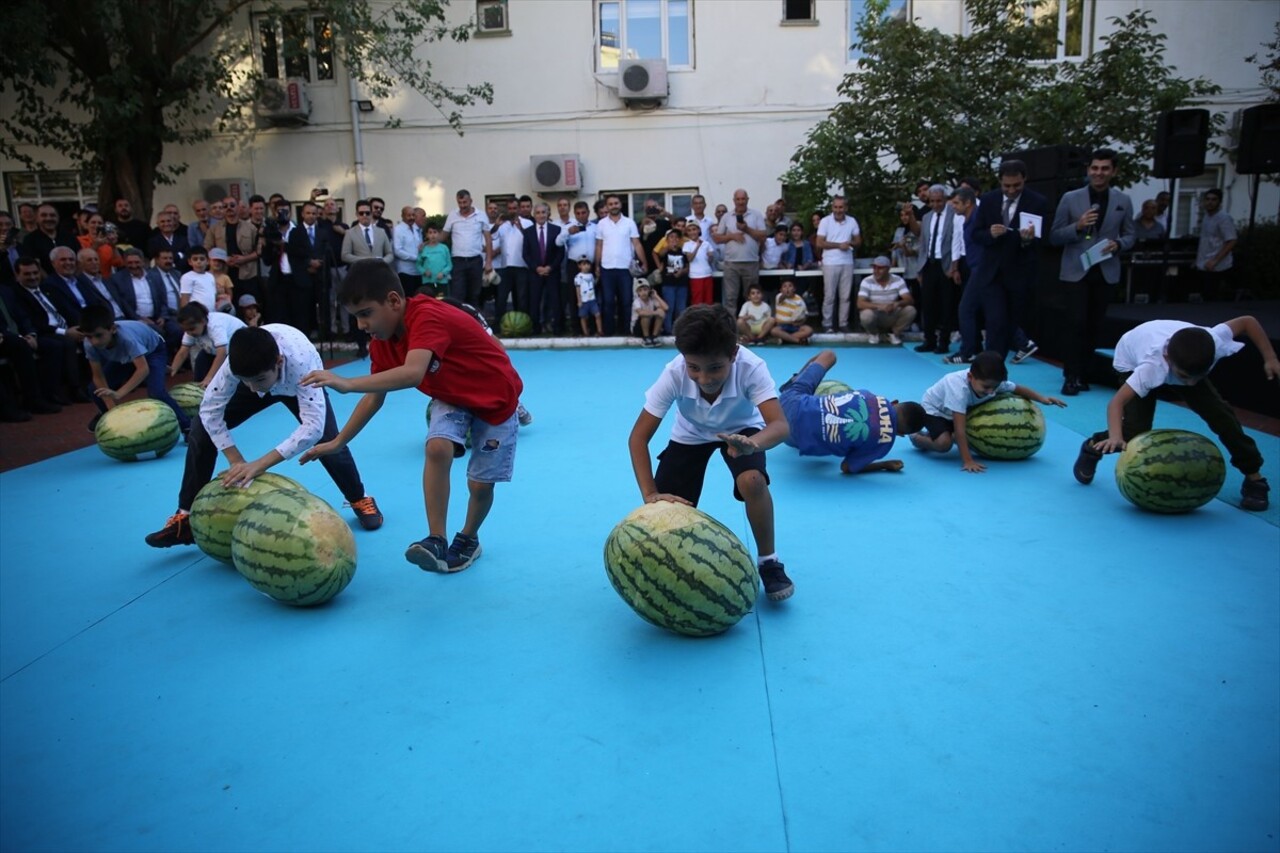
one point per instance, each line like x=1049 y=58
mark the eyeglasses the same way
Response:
x=363 y=212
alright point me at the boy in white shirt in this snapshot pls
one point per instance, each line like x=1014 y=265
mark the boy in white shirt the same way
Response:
x=1179 y=356
x=198 y=284
x=584 y=286
x=698 y=253
x=755 y=318
x=771 y=252
x=210 y=334
x=647 y=311
x=947 y=402
x=725 y=400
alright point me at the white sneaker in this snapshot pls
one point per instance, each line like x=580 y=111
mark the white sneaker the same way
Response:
x=895 y=340
x=873 y=339
x=522 y=415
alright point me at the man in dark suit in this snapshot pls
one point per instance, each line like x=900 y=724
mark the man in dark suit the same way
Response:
x=543 y=258
x=1088 y=218
x=941 y=247
x=1001 y=285
x=142 y=297
x=68 y=282
x=169 y=236
x=49 y=234
x=19 y=345
x=46 y=314
x=308 y=249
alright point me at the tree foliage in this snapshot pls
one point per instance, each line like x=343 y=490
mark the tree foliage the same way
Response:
x=110 y=84
x=927 y=105
x=1269 y=65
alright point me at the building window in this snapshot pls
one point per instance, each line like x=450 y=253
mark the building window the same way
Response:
x=295 y=44
x=1186 y=213
x=492 y=18
x=798 y=12
x=895 y=10
x=677 y=203
x=1061 y=27
x=644 y=29
x=65 y=189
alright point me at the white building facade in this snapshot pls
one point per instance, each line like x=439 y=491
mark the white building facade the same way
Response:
x=744 y=82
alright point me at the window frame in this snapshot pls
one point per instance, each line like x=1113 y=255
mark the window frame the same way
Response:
x=668 y=195
x=851 y=57
x=664 y=17
x=1184 y=213
x=86 y=192
x=312 y=53
x=810 y=21
x=505 y=30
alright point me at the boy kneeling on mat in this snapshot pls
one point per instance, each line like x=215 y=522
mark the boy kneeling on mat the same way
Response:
x=442 y=351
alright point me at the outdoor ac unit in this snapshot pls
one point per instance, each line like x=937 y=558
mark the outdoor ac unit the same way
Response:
x=642 y=79
x=491 y=16
x=285 y=101
x=216 y=189
x=555 y=172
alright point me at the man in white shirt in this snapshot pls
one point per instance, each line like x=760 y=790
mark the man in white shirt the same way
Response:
x=513 y=280
x=739 y=235
x=838 y=236
x=467 y=231
x=617 y=244
x=579 y=241
x=406 y=240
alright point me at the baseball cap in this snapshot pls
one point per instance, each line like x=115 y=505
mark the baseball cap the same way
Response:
x=217 y=254
x=247 y=300
x=881 y=261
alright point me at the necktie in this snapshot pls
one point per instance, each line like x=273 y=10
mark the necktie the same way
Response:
x=173 y=285
x=48 y=307
x=1008 y=213
x=937 y=231
x=368 y=236
x=311 y=234
x=542 y=244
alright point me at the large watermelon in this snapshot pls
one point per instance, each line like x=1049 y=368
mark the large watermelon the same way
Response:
x=132 y=431
x=827 y=387
x=681 y=569
x=1005 y=427
x=188 y=396
x=293 y=547
x=1170 y=470
x=515 y=324
x=217 y=508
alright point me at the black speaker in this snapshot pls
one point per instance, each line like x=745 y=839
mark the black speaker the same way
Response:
x=1053 y=170
x=1259 y=151
x=1181 y=139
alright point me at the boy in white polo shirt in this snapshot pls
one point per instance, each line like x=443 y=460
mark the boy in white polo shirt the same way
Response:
x=1180 y=355
x=198 y=284
x=725 y=400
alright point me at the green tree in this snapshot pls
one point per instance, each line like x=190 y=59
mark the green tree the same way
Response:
x=110 y=84
x=924 y=104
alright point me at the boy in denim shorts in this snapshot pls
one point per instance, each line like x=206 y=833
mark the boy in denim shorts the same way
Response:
x=443 y=352
x=725 y=401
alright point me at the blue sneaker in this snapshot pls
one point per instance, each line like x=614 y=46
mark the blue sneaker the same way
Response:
x=429 y=554
x=463 y=551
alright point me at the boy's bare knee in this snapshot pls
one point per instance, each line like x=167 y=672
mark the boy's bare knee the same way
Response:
x=439 y=450
x=752 y=484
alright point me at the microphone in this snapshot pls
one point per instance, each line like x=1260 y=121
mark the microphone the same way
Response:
x=1094 y=208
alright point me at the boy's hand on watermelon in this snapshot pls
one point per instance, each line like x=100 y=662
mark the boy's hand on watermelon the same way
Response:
x=663 y=496
x=241 y=474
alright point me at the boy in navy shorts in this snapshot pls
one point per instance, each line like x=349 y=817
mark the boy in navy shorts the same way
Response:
x=725 y=401
x=442 y=351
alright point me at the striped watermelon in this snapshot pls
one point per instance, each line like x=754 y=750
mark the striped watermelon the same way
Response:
x=827 y=387
x=216 y=509
x=515 y=324
x=1170 y=470
x=137 y=430
x=294 y=548
x=1005 y=427
x=188 y=396
x=681 y=569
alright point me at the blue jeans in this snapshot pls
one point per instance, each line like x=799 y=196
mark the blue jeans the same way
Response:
x=117 y=374
x=677 y=298
x=615 y=297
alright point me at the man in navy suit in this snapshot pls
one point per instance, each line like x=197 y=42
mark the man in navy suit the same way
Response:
x=47 y=314
x=308 y=249
x=1091 y=216
x=941 y=248
x=19 y=345
x=543 y=258
x=77 y=291
x=1001 y=286
x=142 y=296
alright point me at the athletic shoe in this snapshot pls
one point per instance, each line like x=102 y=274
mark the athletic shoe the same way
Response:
x=1087 y=462
x=176 y=531
x=777 y=586
x=463 y=551
x=873 y=339
x=1253 y=495
x=958 y=359
x=367 y=513
x=522 y=415
x=894 y=340
x=429 y=554
x=1028 y=350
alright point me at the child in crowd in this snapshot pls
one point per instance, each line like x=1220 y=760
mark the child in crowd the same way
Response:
x=431 y=345
x=791 y=315
x=264 y=366
x=1179 y=356
x=225 y=290
x=948 y=401
x=725 y=401
x=113 y=347
x=856 y=425
x=755 y=318
x=250 y=315
x=669 y=257
x=647 y=311
x=697 y=254
x=773 y=249
x=198 y=283
x=210 y=334
x=584 y=288
x=798 y=254
x=435 y=264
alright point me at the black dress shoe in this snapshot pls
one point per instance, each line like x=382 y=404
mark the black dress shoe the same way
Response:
x=927 y=346
x=1082 y=385
x=1070 y=388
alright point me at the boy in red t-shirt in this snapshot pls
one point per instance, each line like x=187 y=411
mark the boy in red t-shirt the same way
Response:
x=424 y=343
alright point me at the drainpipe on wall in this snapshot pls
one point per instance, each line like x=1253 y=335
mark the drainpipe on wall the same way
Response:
x=355 y=137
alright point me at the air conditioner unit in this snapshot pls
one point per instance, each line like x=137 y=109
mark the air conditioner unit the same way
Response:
x=555 y=172
x=491 y=16
x=285 y=101
x=642 y=79
x=216 y=189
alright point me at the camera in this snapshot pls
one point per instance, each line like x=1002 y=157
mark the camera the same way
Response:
x=282 y=214
x=320 y=192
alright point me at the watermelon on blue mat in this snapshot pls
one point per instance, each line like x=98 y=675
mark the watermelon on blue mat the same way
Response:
x=137 y=430
x=1170 y=470
x=1005 y=427
x=294 y=548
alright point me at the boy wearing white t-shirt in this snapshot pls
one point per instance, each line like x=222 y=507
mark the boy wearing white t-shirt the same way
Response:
x=725 y=400
x=755 y=318
x=1180 y=355
x=198 y=285
x=210 y=335
x=697 y=253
